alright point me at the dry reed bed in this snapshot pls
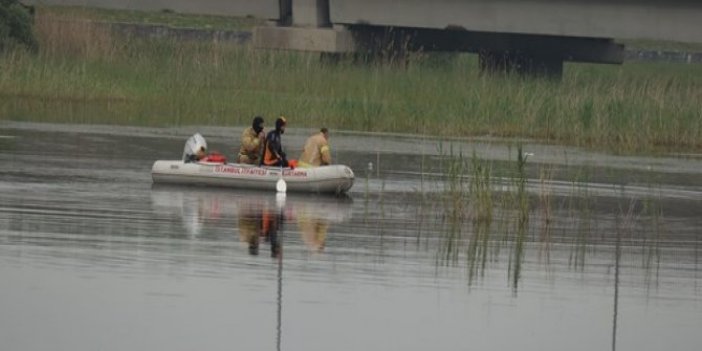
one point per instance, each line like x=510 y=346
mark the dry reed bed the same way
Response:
x=86 y=74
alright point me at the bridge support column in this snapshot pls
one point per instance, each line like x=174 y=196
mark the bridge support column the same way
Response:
x=311 y=13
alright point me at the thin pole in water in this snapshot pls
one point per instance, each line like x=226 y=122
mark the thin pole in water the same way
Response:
x=281 y=186
x=280 y=204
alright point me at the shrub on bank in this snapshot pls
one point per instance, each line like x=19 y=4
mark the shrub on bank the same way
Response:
x=16 y=25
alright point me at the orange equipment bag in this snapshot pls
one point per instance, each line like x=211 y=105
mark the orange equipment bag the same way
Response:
x=215 y=157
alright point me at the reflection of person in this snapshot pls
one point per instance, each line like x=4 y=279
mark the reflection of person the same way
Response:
x=257 y=221
x=252 y=139
x=249 y=231
x=316 y=152
x=272 y=222
x=313 y=231
x=192 y=214
x=273 y=154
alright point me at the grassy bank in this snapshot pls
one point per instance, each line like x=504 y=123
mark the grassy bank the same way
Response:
x=84 y=74
x=164 y=17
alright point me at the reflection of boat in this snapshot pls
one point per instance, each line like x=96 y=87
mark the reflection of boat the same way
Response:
x=325 y=179
x=251 y=210
x=199 y=206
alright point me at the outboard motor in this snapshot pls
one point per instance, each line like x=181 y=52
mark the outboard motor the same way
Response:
x=195 y=148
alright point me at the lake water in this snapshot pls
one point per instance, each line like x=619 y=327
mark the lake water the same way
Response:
x=593 y=252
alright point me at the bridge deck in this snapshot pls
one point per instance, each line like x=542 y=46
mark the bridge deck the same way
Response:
x=677 y=20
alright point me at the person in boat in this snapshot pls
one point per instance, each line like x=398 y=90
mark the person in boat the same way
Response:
x=252 y=139
x=273 y=154
x=195 y=148
x=196 y=151
x=316 y=151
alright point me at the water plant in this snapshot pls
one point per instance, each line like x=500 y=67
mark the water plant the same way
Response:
x=545 y=209
x=482 y=214
x=481 y=209
x=522 y=225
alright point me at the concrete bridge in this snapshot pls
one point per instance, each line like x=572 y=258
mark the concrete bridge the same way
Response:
x=530 y=36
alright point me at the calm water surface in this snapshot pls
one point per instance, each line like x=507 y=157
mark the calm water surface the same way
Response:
x=95 y=257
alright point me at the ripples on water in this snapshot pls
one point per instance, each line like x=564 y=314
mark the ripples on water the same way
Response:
x=93 y=256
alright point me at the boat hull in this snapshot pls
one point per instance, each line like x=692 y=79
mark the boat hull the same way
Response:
x=326 y=179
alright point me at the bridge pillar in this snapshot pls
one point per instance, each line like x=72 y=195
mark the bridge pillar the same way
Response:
x=310 y=13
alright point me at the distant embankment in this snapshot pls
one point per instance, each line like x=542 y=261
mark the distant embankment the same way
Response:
x=662 y=56
x=242 y=37
x=179 y=33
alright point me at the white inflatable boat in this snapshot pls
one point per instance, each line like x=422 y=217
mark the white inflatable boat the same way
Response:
x=326 y=179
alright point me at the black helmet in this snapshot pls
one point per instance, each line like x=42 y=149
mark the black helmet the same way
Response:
x=280 y=122
x=257 y=124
